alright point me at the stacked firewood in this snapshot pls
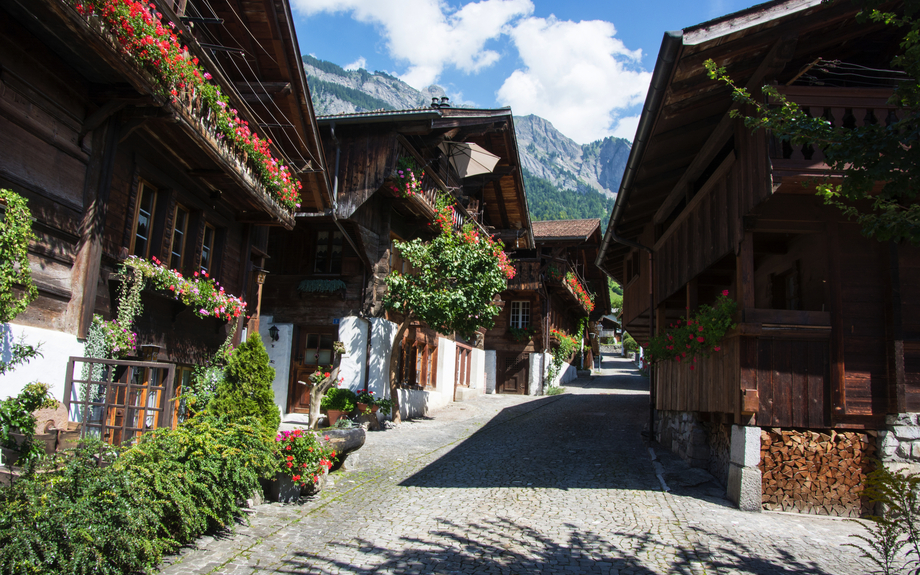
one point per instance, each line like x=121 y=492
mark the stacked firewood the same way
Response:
x=814 y=472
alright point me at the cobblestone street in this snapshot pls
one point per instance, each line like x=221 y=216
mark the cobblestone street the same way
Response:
x=510 y=484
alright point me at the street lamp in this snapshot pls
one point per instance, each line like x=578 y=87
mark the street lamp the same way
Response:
x=273 y=332
x=261 y=274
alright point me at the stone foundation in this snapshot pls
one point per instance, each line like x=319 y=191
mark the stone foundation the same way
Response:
x=899 y=445
x=701 y=444
x=815 y=472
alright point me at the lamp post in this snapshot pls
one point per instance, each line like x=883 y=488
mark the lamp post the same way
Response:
x=261 y=274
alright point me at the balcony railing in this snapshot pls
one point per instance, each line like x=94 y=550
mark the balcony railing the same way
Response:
x=433 y=187
x=847 y=107
x=189 y=109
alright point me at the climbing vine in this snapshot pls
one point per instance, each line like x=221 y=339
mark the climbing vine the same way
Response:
x=15 y=234
x=564 y=349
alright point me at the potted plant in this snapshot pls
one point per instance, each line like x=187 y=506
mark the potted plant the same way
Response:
x=17 y=424
x=304 y=462
x=337 y=402
x=366 y=401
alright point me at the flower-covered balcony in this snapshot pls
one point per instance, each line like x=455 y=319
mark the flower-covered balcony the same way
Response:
x=420 y=189
x=564 y=280
x=174 y=84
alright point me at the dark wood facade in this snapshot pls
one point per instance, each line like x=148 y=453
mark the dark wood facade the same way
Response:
x=826 y=330
x=539 y=286
x=111 y=168
x=363 y=151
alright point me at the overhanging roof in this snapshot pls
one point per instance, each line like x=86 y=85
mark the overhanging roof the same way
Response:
x=766 y=43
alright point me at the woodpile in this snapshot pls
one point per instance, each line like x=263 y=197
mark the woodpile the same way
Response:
x=815 y=472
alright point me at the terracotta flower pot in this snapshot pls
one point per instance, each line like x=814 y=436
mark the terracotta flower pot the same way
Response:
x=334 y=415
x=375 y=408
x=362 y=407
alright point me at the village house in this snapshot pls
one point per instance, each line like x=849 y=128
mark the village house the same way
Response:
x=820 y=374
x=326 y=278
x=115 y=166
x=551 y=292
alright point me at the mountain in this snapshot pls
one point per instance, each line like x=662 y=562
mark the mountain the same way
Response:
x=563 y=179
x=335 y=90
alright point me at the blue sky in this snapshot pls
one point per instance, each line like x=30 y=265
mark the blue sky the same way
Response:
x=582 y=64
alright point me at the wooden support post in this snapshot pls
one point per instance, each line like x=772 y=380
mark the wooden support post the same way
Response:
x=838 y=369
x=747 y=384
x=97 y=188
x=897 y=376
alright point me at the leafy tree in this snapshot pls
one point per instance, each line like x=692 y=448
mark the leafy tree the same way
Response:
x=246 y=390
x=868 y=155
x=450 y=288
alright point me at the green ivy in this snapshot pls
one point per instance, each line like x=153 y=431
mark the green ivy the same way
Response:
x=15 y=272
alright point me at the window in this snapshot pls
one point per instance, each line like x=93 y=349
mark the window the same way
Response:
x=207 y=249
x=418 y=364
x=397 y=263
x=786 y=290
x=520 y=314
x=328 y=255
x=462 y=369
x=143 y=220
x=177 y=245
x=317 y=348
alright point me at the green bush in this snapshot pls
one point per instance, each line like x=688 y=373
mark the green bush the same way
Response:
x=77 y=516
x=16 y=417
x=246 y=390
x=342 y=399
x=629 y=344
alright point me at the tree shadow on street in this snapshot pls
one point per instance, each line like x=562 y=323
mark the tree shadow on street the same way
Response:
x=502 y=546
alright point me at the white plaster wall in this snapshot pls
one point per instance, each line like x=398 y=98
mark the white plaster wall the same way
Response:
x=353 y=333
x=535 y=374
x=478 y=371
x=383 y=333
x=566 y=374
x=447 y=367
x=490 y=370
x=279 y=355
x=56 y=348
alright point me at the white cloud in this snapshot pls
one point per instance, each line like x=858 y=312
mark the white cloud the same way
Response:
x=357 y=64
x=577 y=75
x=427 y=35
x=626 y=128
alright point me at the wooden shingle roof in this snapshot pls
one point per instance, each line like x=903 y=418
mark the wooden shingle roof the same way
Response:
x=565 y=229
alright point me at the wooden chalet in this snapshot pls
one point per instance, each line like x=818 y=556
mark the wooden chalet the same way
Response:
x=327 y=276
x=541 y=298
x=112 y=168
x=826 y=343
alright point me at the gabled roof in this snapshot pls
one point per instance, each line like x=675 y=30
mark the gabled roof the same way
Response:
x=565 y=229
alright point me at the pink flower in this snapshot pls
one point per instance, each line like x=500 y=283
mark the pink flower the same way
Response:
x=717 y=348
x=700 y=339
x=725 y=292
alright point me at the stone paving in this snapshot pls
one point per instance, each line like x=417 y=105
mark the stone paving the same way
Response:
x=518 y=485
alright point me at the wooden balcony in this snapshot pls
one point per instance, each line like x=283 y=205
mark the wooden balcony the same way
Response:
x=526 y=276
x=847 y=107
x=424 y=204
x=186 y=125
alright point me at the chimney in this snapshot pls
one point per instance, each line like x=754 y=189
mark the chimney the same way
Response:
x=445 y=102
x=434 y=102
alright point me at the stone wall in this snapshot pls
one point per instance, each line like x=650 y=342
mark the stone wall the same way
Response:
x=720 y=445
x=899 y=445
x=815 y=472
x=700 y=444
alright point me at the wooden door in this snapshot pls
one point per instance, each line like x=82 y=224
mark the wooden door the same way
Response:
x=312 y=352
x=513 y=370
